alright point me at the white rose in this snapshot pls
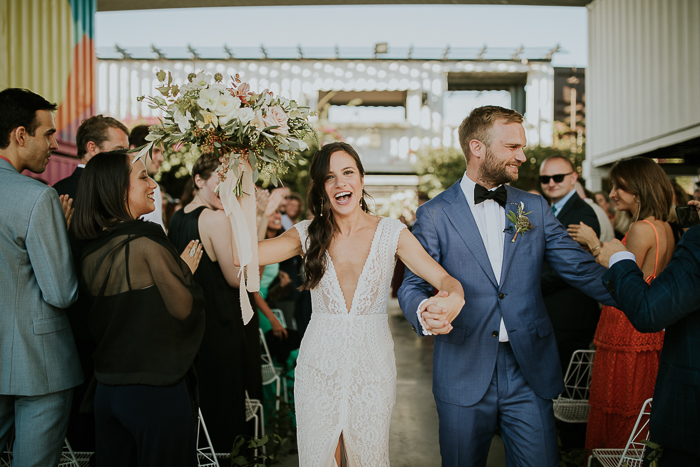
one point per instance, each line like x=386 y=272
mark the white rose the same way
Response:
x=226 y=105
x=258 y=120
x=243 y=114
x=209 y=119
x=208 y=99
x=218 y=86
x=183 y=121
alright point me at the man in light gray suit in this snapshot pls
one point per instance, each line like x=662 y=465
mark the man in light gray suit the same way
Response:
x=38 y=361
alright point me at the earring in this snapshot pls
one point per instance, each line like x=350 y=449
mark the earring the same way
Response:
x=321 y=207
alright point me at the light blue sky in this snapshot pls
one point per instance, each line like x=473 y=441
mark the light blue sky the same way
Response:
x=354 y=26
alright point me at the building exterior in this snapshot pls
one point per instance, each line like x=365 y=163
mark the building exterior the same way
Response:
x=642 y=89
x=387 y=102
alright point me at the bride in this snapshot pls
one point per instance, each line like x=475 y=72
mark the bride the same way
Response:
x=345 y=385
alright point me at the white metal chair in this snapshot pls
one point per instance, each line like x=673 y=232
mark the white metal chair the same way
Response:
x=206 y=457
x=69 y=458
x=270 y=373
x=572 y=406
x=633 y=453
x=252 y=407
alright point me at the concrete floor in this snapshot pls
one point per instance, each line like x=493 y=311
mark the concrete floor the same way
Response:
x=414 y=425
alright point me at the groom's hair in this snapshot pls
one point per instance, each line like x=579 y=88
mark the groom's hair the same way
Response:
x=479 y=123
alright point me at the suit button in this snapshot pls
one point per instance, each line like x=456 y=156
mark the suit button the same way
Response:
x=501 y=296
x=494 y=333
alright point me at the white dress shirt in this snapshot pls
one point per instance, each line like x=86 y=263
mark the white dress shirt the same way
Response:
x=490 y=219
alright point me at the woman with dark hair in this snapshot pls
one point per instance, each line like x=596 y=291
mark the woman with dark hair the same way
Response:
x=147 y=318
x=229 y=357
x=626 y=361
x=345 y=384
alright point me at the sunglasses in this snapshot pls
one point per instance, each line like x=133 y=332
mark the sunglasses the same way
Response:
x=558 y=178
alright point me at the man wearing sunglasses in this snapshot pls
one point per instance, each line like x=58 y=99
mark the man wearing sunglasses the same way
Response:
x=574 y=314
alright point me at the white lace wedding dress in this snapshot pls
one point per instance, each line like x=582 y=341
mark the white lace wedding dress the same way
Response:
x=346 y=372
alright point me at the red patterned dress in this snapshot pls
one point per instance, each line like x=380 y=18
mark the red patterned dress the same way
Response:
x=624 y=374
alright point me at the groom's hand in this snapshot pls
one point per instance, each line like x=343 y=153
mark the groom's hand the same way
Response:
x=609 y=249
x=439 y=311
x=443 y=303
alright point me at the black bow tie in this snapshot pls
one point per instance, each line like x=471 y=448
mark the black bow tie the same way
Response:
x=499 y=195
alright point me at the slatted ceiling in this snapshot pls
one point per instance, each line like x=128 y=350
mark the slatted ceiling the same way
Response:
x=644 y=63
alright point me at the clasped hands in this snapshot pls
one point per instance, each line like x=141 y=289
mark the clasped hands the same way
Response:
x=438 y=312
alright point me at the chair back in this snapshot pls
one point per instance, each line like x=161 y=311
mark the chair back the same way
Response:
x=634 y=450
x=577 y=381
x=206 y=457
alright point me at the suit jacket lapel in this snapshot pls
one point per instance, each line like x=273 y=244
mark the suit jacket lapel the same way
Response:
x=510 y=247
x=461 y=217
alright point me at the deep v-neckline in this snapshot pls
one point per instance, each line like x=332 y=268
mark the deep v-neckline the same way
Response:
x=362 y=273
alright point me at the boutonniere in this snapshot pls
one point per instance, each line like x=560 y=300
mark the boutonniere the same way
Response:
x=520 y=220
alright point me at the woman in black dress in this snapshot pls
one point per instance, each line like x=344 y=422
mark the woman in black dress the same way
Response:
x=229 y=364
x=147 y=318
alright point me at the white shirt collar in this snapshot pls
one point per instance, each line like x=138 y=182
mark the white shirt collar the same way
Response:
x=467 y=185
x=560 y=204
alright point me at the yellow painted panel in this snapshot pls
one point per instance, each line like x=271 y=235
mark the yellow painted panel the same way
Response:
x=36 y=49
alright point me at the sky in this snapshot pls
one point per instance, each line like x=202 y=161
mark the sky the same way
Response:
x=354 y=26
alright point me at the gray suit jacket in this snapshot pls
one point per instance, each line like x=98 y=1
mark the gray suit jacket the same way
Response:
x=37 y=280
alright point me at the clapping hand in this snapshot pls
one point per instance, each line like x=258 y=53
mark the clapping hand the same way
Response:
x=261 y=199
x=438 y=312
x=67 y=205
x=276 y=197
x=192 y=255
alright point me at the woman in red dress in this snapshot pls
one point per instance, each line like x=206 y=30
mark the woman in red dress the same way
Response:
x=626 y=361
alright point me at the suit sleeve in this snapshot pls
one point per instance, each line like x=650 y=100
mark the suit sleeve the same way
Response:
x=50 y=252
x=551 y=280
x=413 y=290
x=669 y=298
x=576 y=266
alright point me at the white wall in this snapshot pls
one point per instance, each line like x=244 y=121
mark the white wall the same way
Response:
x=643 y=78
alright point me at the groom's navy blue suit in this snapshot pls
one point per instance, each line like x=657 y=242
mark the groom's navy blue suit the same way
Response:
x=469 y=361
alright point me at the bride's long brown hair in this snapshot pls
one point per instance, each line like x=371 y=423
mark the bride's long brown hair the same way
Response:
x=323 y=226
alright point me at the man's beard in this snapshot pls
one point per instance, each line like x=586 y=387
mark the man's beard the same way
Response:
x=494 y=171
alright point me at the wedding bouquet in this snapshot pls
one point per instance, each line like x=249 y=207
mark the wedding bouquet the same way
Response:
x=250 y=134
x=232 y=123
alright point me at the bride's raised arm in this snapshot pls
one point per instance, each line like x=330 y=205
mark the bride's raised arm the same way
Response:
x=275 y=250
x=414 y=256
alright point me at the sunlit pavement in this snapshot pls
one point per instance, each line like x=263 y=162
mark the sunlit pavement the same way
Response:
x=414 y=424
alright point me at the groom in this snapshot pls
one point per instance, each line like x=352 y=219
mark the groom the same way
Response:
x=499 y=365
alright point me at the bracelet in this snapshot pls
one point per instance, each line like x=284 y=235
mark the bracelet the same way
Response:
x=597 y=248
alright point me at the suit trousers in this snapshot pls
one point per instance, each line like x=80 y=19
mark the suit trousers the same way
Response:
x=145 y=426
x=526 y=422
x=40 y=427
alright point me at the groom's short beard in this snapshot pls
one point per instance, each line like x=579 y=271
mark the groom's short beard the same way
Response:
x=493 y=171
